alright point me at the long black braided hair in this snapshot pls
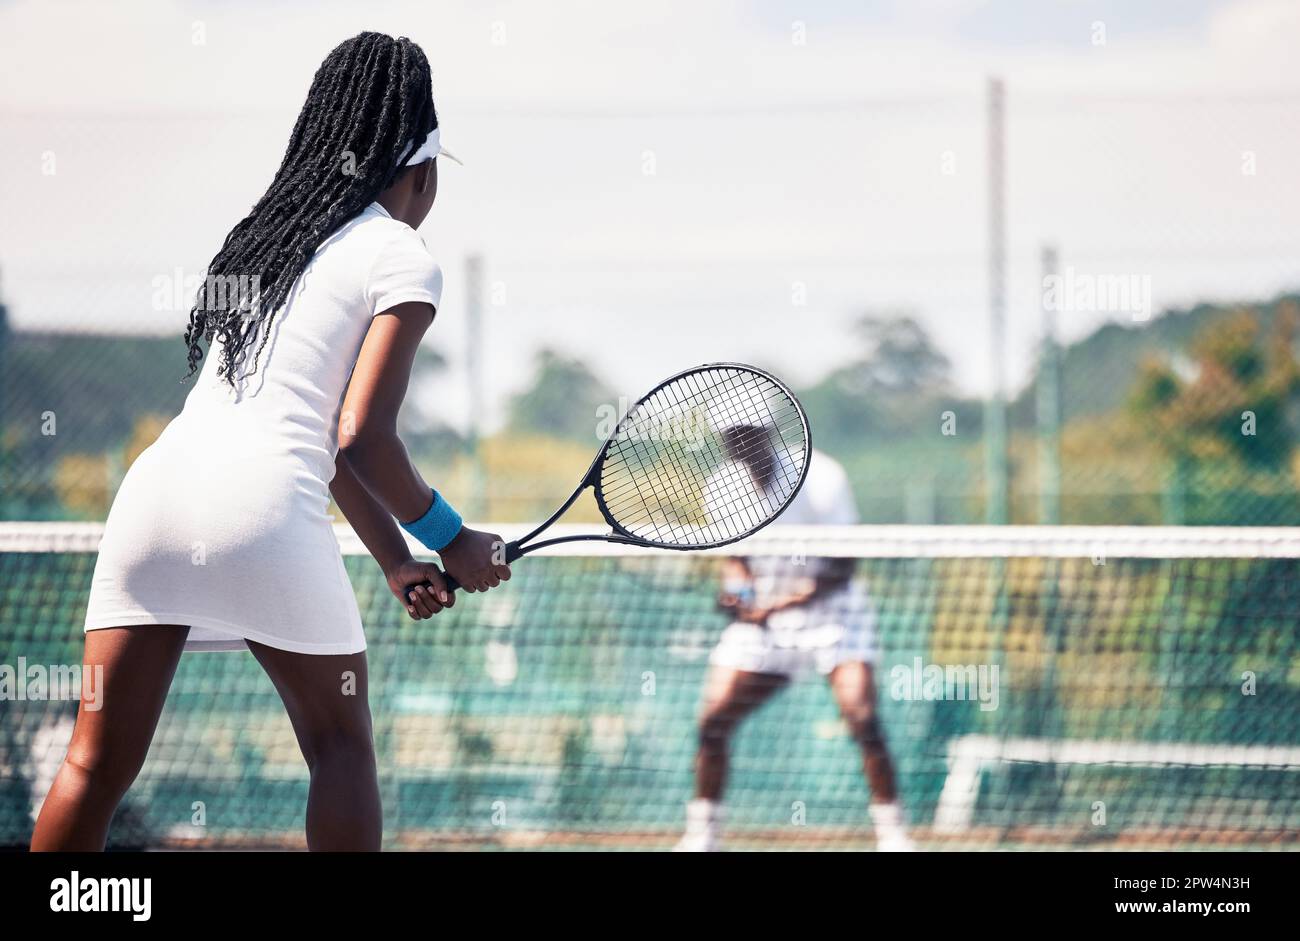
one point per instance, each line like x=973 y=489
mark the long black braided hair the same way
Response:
x=371 y=97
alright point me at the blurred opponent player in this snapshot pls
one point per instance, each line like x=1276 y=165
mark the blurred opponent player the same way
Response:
x=789 y=615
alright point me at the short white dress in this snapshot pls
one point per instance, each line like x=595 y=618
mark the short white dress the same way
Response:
x=223 y=523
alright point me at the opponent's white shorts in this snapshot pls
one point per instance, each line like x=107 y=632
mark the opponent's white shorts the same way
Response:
x=757 y=649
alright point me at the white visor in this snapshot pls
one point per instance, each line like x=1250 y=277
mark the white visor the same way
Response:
x=431 y=148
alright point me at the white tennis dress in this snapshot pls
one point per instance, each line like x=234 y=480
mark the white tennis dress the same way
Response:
x=222 y=524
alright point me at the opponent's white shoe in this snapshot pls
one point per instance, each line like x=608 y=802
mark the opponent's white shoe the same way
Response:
x=702 y=821
x=696 y=843
x=891 y=834
x=894 y=843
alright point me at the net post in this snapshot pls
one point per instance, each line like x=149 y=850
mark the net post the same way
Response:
x=995 y=411
x=1049 y=402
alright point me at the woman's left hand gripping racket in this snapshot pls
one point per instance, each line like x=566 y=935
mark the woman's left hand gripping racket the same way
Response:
x=706 y=458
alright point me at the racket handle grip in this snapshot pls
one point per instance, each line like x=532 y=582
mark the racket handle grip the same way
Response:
x=513 y=552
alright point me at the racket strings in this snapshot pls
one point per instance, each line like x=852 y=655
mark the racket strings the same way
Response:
x=680 y=508
x=734 y=468
x=669 y=477
x=730 y=413
x=789 y=432
x=642 y=420
x=786 y=430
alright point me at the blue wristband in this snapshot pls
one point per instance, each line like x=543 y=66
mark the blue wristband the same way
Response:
x=436 y=528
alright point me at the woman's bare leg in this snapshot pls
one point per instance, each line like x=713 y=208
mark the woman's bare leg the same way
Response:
x=109 y=744
x=326 y=697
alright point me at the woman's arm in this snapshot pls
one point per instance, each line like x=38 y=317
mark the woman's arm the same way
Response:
x=377 y=458
x=836 y=575
x=368 y=420
x=376 y=529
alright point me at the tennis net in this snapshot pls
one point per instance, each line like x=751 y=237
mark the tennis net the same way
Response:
x=1046 y=687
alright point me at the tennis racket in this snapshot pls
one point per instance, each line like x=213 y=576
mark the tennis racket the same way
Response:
x=706 y=458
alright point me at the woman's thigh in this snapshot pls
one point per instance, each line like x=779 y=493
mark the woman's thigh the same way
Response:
x=325 y=695
x=131 y=670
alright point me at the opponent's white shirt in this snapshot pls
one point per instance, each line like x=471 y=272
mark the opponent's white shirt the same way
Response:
x=222 y=524
x=732 y=500
x=826 y=499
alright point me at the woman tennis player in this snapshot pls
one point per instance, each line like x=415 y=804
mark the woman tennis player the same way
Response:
x=220 y=536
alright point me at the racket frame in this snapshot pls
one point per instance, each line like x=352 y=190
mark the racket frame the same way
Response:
x=521 y=546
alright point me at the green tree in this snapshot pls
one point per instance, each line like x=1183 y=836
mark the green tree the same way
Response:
x=899 y=359
x=563 y=400
x=896 y=387
x=1228 y=402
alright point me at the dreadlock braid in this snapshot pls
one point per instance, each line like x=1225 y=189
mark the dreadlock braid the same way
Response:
x=371 y=97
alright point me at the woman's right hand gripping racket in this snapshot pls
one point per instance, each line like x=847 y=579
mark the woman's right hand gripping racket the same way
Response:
x=706 y=458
